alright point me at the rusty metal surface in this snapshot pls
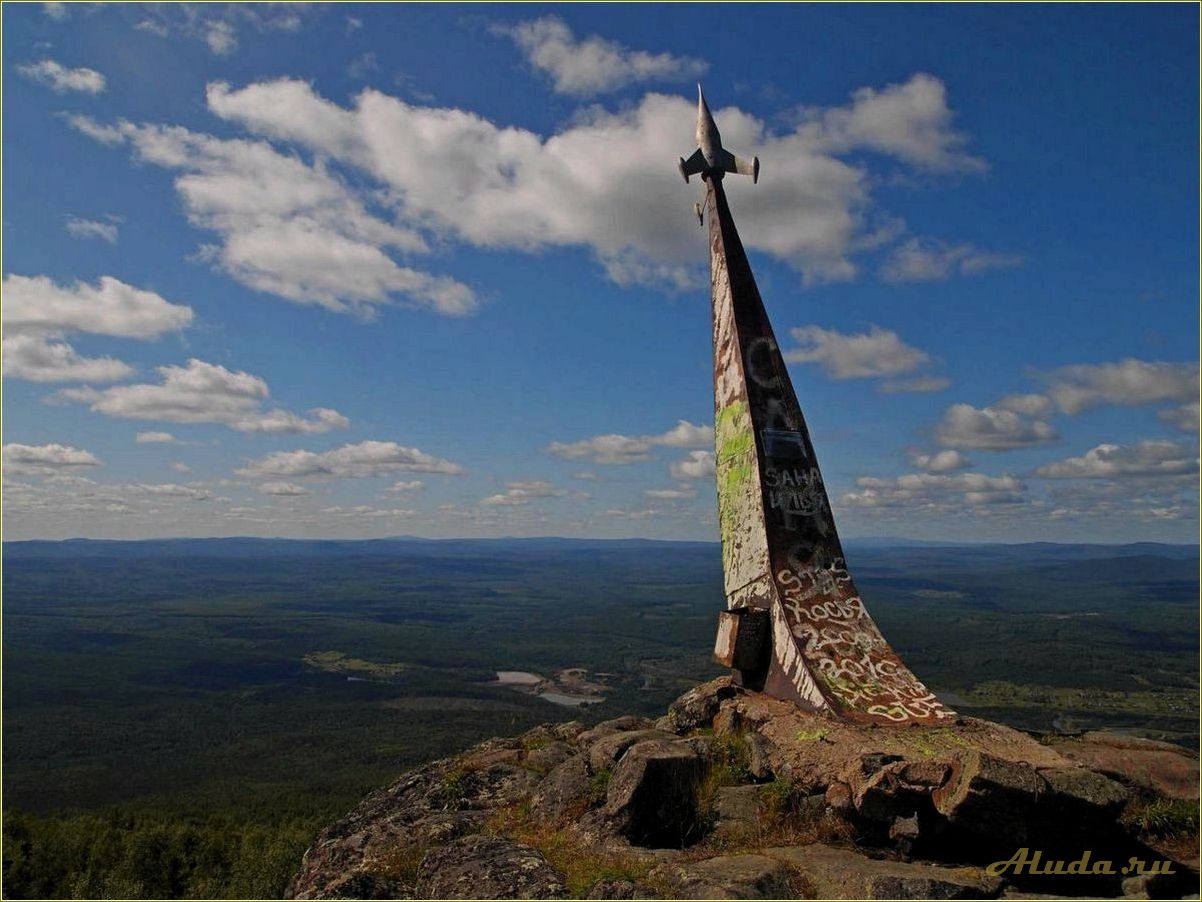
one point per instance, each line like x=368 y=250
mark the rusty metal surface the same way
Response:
x=780 y=549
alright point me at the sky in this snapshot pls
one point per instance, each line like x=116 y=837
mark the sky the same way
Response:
x=369 y=270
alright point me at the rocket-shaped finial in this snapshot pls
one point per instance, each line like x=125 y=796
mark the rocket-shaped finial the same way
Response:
x=710 y=158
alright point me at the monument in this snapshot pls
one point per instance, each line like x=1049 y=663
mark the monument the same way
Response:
x=795 y=627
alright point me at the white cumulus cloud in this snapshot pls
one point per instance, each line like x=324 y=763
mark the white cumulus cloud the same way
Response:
x=283 y=489
x=697 y=465
x=521 y=493
x=155 y=438
x=455 y=173
x=614 y=448
x=1184 y=418
x=41 y=460
x=848 y=355
x=593 y=65
x=680 y=493
x=61 y=79
x=78 y=227
x=1127 y=382
x=941 y=461
x=289 y=228
x=1109 y=461
x=355 y=461
x=926 y=260
x=936 y=492
x=38 y=359
x=990 y=429
x=202 y=392
x=37 y=304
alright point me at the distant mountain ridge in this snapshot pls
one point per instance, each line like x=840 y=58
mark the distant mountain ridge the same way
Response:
x=247 y=546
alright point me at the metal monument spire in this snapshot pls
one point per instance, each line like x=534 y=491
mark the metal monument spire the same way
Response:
x=795 y=626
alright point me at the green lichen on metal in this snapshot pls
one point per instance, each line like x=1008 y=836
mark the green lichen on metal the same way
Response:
x=735 y=456
x=732 y=427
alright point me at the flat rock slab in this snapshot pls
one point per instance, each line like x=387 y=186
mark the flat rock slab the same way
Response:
x=487 y=867
x=738 y=803
x=732 y=877
x=625 y=723
x=834 y=873
x=1168 y=770
x=811 y=747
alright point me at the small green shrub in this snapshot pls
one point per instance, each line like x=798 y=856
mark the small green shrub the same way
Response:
x=453 y=789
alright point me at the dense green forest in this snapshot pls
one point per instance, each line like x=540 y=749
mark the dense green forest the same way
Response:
x=172 y=726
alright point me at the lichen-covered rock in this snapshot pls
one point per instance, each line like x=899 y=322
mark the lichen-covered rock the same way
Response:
x=568 y=731
x=605 y=752
x=652 y=794
x=563 y=788
x=493 y=787
x=621 y=889
x=487 y=867
x=544 y=758
x=697 y=707
x=834 y=873
x=362 y=885
x=731 y=877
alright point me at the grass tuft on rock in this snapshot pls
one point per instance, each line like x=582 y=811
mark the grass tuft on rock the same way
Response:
x=581 y=865
x=1162 y=818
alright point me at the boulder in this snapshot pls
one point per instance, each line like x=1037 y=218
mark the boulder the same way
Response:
x=990 y=797
x=697 y=707
x=487 y=867
x=1165 y=769
x=445 y=826
x=568 y=731
x=833 y=873
x=759 y=757
x=490 y=752
x=1079 y=794
x=545 y=757
x=362 y=885
x=731 y=877
x=622 y=724
x=564 y=787
x=493 y=787
x=652 y=795
x=606 y=751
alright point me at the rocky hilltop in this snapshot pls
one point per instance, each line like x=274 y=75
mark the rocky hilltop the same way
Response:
x=734 y=794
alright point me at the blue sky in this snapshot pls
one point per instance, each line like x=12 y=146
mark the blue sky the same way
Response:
x=343 y=270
